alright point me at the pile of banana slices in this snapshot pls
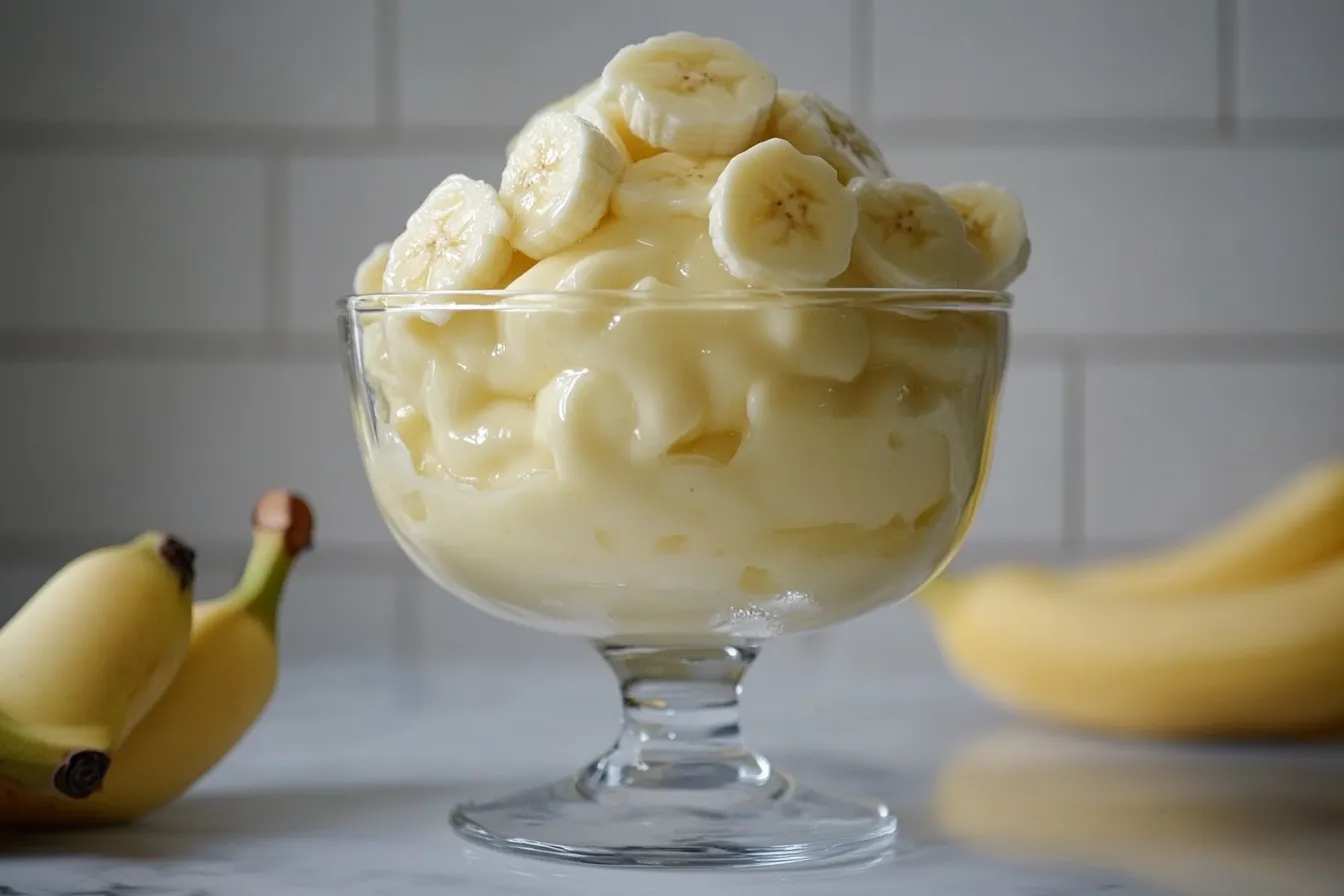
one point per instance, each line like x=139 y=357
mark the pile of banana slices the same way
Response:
x=794 y=194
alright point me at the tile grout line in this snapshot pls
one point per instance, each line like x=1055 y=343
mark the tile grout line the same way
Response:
x=389 y=561
x=1229 y=34
x=861 y=75
x=169 y=346
x=1074 y=400
x=345 y=556
x=18 y=346
x=387 y=74
x=36 y=138
x=276 y=182
x=386 y=560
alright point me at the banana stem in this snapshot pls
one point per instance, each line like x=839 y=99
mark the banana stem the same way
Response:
x=282 y=528
x=263 y=579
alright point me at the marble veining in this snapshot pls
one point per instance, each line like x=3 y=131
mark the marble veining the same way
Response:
x=345 y=786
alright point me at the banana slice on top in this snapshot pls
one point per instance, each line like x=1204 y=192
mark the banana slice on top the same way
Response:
x=558 y=182
x=819 y=128
x=456 y=239
x=369 y=273
x=997 y=227
x=667 y=183
x=780 y=218
x=909 y=236
x=694 y=95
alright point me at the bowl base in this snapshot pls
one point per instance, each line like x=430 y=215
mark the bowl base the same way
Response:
x=787 y=824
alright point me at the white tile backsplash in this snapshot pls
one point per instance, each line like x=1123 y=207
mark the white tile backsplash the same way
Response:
x=249 y=62
x=149 y=149
x=518 y=55
x=132 y=243
x=1153 y=240
x=1045 y=59
x=1291 y=62
x=443 y=627
x=326 y=614
x=1024 y=496
x=116 y=447
x=1173 y=447
x=340 y=208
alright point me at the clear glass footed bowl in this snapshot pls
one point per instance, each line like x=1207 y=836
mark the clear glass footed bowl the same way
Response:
x=678 y=477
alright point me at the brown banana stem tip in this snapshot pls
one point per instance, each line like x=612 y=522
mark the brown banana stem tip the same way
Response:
x=181 y=558
x=81 y=776
x=284 y=511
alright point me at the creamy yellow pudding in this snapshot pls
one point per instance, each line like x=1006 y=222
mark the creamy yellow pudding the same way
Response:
x=692 y=414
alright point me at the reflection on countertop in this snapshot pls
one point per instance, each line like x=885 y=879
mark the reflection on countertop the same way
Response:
x=346 y=784
x=1253 y=820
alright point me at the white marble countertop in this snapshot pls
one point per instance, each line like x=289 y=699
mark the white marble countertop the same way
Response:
x=345 y=787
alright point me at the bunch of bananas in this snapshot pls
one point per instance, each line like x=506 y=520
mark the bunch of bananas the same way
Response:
x=118 y=691
x=1237 y=633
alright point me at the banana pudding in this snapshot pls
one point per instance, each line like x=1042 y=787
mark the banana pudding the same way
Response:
x=690 y=379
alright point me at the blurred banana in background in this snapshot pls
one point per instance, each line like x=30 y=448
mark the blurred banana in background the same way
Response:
x=118 y=693
x=1237 y=633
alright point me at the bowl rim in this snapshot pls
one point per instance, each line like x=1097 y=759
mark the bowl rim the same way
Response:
x=923 y=299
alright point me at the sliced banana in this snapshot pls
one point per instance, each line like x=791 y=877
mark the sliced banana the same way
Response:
x=909 y=236
x=456 y=239
x=369 y=273
x=698 y=96
x=667 y=184
x=997 y=227
x=600 y=109
x=780 y=218
x=558 y=182
x=819 y=128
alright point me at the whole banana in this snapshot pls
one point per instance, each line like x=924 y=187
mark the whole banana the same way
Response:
x=221 y=688
x=97 y=645
x=1297 y=526
x=1265 y=662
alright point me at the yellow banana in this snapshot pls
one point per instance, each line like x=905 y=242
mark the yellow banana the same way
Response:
x=1257 y=663
x=222 y=687
x=97 y=644
x=1255 y=825
x=1298 y=525
x=48 y=763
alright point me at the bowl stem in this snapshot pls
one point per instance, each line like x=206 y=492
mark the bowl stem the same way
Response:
x=681 y=728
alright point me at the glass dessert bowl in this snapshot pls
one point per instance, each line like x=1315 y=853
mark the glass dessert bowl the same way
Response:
x=678 y=476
